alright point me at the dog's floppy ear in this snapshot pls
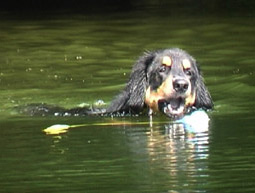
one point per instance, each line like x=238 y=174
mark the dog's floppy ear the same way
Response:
x=131 y=99
x=203 y=97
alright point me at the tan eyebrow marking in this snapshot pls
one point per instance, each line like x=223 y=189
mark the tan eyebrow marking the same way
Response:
x=167 y=61
x=186 y=64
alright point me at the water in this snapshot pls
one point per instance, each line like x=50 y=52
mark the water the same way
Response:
x=70 y=60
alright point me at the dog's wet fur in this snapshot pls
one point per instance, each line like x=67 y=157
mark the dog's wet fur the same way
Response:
x=167 y=81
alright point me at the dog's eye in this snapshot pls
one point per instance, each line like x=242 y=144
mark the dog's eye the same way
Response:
x=162 y=68
x=188 y=72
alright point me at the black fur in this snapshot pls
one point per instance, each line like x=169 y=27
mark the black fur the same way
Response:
x=203 y=99
x=131 y=99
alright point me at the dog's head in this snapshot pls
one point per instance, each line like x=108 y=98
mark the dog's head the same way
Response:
x=168 y=81
x=173 y=81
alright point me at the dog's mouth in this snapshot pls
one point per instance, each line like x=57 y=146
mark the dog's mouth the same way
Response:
x=174 y=107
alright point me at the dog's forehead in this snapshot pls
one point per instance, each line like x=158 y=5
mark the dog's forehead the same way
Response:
x=176 y=56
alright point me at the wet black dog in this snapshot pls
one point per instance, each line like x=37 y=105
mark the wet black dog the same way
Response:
x=167 y=81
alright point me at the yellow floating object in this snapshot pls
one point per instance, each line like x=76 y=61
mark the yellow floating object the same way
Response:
x=62 y=128
x=56 y=129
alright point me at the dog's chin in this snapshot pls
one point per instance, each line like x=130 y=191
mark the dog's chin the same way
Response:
x=174 y=107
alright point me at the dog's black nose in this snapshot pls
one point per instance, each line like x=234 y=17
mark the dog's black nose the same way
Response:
x=180 y=85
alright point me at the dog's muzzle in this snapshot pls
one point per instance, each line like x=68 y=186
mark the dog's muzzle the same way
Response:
x=180 y=85
x=173 y=107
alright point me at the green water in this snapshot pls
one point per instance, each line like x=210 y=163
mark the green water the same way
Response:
x=75 y=59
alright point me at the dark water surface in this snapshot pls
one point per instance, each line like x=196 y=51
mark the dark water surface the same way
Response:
x=77 y=59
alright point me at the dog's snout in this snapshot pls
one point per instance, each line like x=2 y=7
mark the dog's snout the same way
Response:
x=180 y=85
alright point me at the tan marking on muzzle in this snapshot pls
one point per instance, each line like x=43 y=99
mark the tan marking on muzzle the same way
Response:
x=163 y=92
x=190 y=100
x=151 y=99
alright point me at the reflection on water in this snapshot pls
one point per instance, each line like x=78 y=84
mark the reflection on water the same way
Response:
x=56 y=148
x=169 y=157
x=161 y=158
x=182 y=155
